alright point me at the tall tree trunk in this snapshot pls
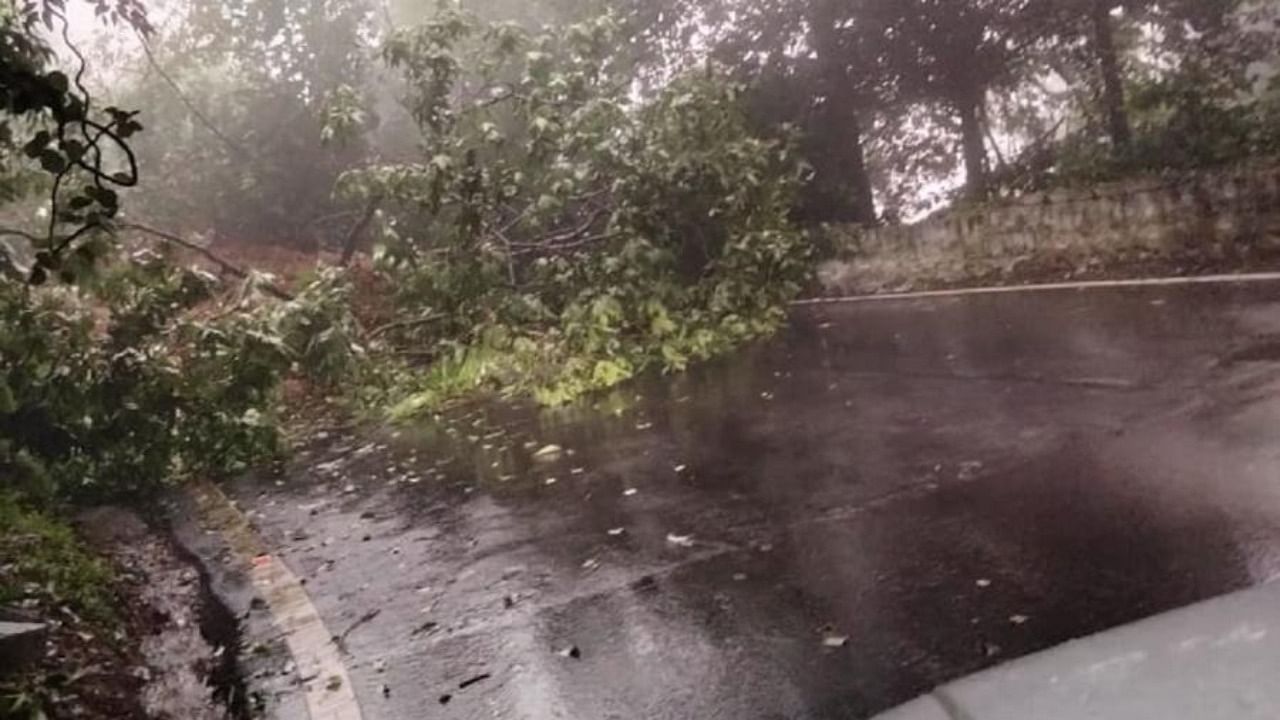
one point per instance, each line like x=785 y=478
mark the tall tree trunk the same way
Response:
x=1113 y=100
x=973 y=145
x=841 y=185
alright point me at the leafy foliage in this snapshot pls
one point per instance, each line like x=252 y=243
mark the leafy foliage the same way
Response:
x=559 y=238
x=114 y=392
x=318 y=330
x=86 y=152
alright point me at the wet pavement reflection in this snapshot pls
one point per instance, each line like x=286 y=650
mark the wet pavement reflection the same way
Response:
x=885 y=497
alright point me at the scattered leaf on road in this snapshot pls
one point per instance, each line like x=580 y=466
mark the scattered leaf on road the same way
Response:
x=425 y=627
x=835 y=641
x=680 y=540
x=548 y=452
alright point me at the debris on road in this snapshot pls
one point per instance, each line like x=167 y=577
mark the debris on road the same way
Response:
x=832 y=640
x=472 y=681
x=680 y=540
x=341 y=640
x=548 y=453
x=425 y=627
x=571 y=652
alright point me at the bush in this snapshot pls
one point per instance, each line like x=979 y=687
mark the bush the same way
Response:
x=111 y=390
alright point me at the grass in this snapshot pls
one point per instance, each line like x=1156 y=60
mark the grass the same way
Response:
x=43 y=561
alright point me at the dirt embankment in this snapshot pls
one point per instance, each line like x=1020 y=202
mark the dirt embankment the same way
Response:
x=165 y=650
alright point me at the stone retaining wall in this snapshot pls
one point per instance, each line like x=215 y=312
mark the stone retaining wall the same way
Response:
x=1224 y=216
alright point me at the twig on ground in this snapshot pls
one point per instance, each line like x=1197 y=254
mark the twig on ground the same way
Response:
x=341 y=640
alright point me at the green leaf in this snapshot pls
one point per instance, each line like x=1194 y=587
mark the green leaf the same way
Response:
x=106 y=197
x=37 y=144
x=8 y=403
x=74 y=149
x=53 y=162
x=58 y=81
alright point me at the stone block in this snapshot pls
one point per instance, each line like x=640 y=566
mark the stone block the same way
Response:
x=21 y=645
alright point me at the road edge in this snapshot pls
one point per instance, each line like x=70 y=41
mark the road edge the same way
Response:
x=1046 y=287
x=327 y=687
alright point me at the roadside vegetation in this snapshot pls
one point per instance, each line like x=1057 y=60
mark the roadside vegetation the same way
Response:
x=402 y=208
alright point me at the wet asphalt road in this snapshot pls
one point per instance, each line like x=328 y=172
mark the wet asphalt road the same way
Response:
x=885 y=497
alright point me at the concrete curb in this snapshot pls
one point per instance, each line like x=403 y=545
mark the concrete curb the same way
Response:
x=328 y=690
x=1216 y=660
x=1047 y=287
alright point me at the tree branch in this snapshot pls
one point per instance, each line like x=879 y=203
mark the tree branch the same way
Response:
x=186 y=101
x=405 y=324
x=227 y=266
x=567 y=238
x=13 y=232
